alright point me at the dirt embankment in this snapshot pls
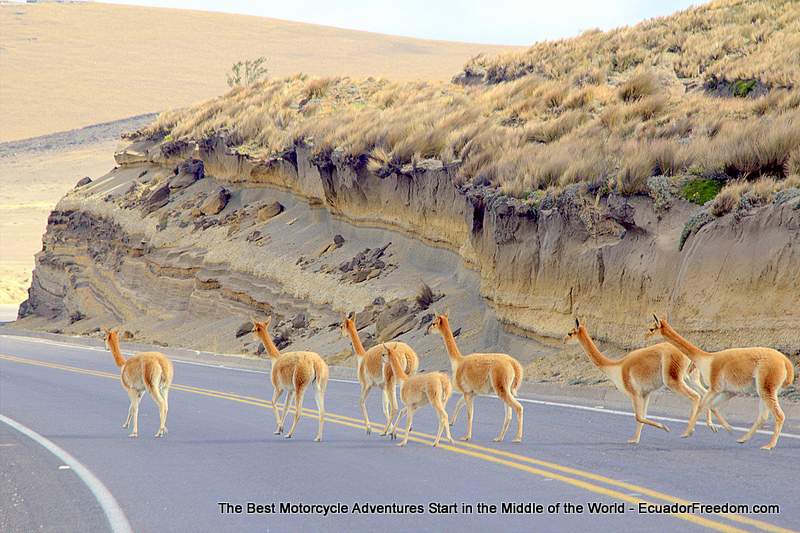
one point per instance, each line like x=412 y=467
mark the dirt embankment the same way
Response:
x=184 y=241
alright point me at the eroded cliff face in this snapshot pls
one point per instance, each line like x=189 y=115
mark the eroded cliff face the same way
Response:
x=142 y=245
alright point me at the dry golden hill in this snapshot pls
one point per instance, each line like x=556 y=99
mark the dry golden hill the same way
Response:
x=69 y=65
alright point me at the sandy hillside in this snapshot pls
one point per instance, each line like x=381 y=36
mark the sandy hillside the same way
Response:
x=69 y=65
x=39 y=181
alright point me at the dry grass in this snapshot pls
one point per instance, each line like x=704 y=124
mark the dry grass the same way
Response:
x=533 y=133
x=69 y=64
x=724 y=39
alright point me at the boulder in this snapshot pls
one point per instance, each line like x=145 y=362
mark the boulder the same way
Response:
x=187 y=173
x=269 y=211
x=83 y=181
x=157 y=199
x=216 y=202
x=300 y=321
x=244 y=329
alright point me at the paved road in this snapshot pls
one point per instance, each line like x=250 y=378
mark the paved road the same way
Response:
x=221 y=449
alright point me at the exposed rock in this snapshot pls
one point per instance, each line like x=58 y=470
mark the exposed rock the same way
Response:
x=83 y=181
x=216 y=201
x=157 y=199
x=187 y=173
x=397 y=318
x=76 y=316
x=620 y=210
x=244 y=329
x=269 y=211
x=300 y=321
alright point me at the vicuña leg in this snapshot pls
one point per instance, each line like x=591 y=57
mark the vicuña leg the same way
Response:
x=469 y=400
x=772 y=404
x=319 y=396
x=155 y=392
x=639 y=405
x=298 y=405
x=506 y=423
x=763 y=414
x=390 y=396
x=363 y=403
x=511 y=402
x=718 y=402
x=680 y=387
x=276 y=395
x=409 y=420
x=165 y=394
x=403 y=411
x=444 y=423
x=459 y=405
x=286 y=406
x=705 y=403
x=135 y=414
x=134 y=396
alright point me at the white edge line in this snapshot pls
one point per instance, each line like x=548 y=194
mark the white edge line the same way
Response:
x=114 y=514
x=524 y=400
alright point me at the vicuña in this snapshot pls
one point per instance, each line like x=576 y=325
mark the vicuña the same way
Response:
x=643 y=371
x=432 y=388
x=736 y=370
x=294 y=372
x=482 y=373
x=372 y=372
x=150 y=371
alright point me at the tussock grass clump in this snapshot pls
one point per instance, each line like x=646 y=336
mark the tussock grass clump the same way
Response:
x=740 y=41
x=639 y=86
x=557 y=115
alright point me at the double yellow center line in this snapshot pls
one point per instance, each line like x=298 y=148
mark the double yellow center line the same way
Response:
x=571 y=476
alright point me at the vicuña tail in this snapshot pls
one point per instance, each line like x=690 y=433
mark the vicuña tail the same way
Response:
x=789 y=373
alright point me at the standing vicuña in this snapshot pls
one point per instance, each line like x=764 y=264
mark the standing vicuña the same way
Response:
x=417 y=390
x=482 y=373
x=150 y=371
x=735 y=370
x=372 y=372
x=641 y=372
x=294 y=372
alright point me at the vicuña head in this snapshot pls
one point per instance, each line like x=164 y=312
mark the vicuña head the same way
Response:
x=655 y=328
x=260 y=328
x=572 y=335
x=348 y=322
x=440 y=323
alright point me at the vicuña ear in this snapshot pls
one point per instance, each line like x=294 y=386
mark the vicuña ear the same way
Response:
x=658 y=320
x=351 y=315
x=268 y=320
x=447 y=312
x=577 y=323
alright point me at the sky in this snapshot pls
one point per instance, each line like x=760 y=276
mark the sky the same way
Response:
x=517 y=22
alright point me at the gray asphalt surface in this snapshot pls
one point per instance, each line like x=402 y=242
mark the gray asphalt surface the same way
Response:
x=220 y=448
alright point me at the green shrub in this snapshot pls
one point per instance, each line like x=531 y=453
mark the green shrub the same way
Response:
x=700 y=191
x=742 y=88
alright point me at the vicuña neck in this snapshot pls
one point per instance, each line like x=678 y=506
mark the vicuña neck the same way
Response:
x=272 y=350
x=680 y=343
x=397 y=368
x=450 y=343
x=359 y=348
x=593 y=352
x=113 y=344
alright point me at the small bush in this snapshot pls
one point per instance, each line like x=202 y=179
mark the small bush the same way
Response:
x=247 y=72
x=693 y=225
x=638 y=87
x=700 y=191
x=742 y=88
